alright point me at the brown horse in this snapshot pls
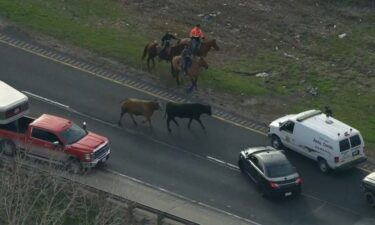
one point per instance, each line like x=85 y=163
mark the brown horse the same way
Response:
x=193 y=70
x=152 y=50
x=206 y=45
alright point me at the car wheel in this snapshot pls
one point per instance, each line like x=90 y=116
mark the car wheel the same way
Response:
x=74 y=167
x=370 y=198
x=276 y=142
x=8 y=148
x=323 y=166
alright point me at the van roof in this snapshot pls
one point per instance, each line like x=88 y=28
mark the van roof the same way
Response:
x=329 y=127
x=10 y=97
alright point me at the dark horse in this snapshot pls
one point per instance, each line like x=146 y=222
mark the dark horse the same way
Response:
x=193 y=71
x=206 y=45
x=153 y=50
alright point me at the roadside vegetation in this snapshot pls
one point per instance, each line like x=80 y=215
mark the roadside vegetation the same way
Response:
x=29 y=196
x=313 y=52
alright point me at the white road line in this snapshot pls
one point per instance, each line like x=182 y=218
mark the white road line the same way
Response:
x=181 y=197
x=223 y=162
x=46 y=99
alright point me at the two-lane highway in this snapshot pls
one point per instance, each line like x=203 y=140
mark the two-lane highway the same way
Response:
x=186 y=162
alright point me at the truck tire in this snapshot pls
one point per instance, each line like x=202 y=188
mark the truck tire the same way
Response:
x=370 y=198
x=74 y=166
x=7 y=147
x=276 y=142
x=323 y=166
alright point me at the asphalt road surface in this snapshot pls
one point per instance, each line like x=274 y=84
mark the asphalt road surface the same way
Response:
x=197 y=164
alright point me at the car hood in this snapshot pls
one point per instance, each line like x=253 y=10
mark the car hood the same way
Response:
x=275 y=123
x=90 y=142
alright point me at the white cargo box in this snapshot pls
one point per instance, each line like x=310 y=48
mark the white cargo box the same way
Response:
x=13 y=104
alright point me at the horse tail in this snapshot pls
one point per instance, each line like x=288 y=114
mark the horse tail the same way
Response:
x=145 y=52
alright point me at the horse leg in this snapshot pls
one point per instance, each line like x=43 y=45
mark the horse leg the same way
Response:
x=177 y=78
x=121 y=115
x=131 y=116
x=153 y=63
x=148 y=63
x=191 y=88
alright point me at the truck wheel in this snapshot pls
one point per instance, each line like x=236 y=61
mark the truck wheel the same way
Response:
x=276 y=142
x=8 y=147
x=323 y=166
x=370 y=198
x=74 y=167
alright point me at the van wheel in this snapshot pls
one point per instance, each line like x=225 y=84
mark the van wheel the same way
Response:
x=8 y=148
x=74 y=167
x=276 y=142
x=370 y=198
x=323 y=166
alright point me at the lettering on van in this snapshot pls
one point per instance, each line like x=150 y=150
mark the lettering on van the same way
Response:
x=322 y=142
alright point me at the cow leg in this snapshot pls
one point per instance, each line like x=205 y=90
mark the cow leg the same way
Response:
x=131 y=116
x=190 y=122
x=200 y=122
x=168 y=122
x=121 y=115
x=175 y=122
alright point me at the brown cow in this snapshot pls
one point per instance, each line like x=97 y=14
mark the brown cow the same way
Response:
x=138 y=107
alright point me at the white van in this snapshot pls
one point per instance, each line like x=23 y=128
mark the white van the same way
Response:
x=13 y=104
x=333 y=144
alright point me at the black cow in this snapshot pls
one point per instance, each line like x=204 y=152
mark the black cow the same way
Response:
x=191 y=111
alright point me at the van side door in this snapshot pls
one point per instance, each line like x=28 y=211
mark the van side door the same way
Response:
x=286 y=134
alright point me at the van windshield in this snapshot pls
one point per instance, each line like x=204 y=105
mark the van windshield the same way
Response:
x=279 y=170
x=73 y=134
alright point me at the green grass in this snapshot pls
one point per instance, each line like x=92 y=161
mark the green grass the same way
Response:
x=105 y=27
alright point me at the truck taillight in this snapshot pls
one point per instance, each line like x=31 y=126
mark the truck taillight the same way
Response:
x=298 y=180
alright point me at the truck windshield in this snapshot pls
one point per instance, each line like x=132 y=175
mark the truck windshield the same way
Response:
x=279 y=170
x=73 y=134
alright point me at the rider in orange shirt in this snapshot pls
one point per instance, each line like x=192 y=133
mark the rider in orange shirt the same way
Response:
x=196 y=35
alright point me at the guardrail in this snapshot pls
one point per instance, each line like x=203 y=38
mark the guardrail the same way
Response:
x=141 y=213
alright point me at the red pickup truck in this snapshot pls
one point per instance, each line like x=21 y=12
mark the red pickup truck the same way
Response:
x=54 y=139
x=49 y=138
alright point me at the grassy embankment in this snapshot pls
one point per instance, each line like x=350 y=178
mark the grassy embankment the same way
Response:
x=342 y=69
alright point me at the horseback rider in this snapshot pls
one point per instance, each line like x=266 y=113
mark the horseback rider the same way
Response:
x=166 y=42
x=196 y=35
x=186 y=56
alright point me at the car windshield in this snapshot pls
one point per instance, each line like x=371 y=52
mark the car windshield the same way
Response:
x=280 y=170
x=73 y=134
